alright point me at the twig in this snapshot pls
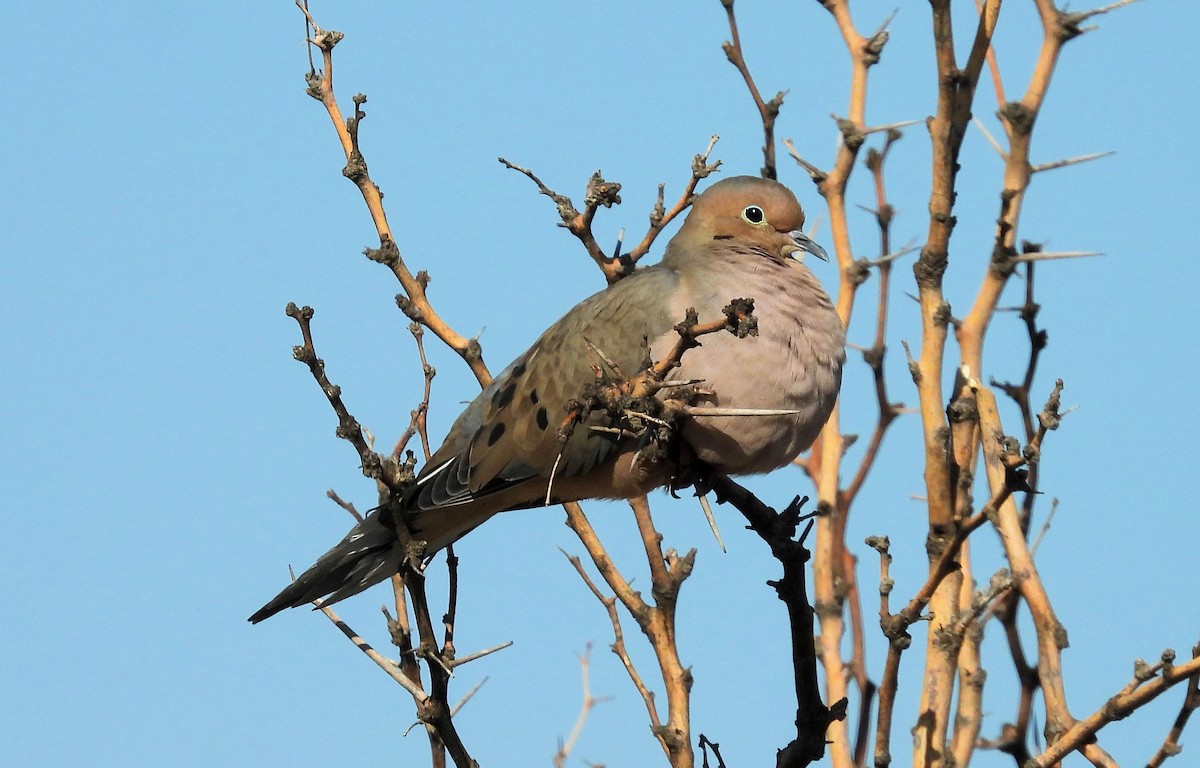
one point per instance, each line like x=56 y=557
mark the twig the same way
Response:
x=1149 y=681
x=660 y=217
x=599 y=192
x=899 y=640
x=816 y=174
x=1191 y=701
x=346 y=505
x=589 y=702
x=618 y=648
x=392 y=670
x=451 y=615
x=657 y=624
x=1037 y=542
x=778 y=531
x=1051 y=636
x=705 y=745
x=470 y=694
x=874 y=357
x=374 y=466
x=767 y=110
x=416 y=305
x=418 y=421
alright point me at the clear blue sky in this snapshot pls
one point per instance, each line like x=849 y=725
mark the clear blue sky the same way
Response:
x=167 y=188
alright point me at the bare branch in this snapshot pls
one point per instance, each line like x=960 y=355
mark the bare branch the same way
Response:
x=1191 y=702
x=346 y=505
x=374 y=466
x=660 y=217
x=767 y=110
x=1148 y=683
x=388 y=666
x=589 y=702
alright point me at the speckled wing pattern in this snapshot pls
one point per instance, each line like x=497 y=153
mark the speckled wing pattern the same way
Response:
x=509 y=433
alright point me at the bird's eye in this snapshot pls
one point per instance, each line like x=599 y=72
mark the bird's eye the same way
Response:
x=754 y=214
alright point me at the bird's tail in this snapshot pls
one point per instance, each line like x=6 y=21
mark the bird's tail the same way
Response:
x=370 y=553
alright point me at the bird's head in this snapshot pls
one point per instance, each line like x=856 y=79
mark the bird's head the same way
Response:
x=749 y=212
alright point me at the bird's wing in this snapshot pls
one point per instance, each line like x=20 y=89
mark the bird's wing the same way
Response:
x=509 y=433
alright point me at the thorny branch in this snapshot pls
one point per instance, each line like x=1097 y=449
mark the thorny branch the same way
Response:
x=768 y=110
x=385 y=470
x=391 y=473
x=1018 y=119
x=418 y=422
x=1149 y=681
x=630 y=402
x=1191 y=702
x=432 y=707
x=657 y=623
x=875 y=354
x=618 y=646
x=895 y=626
x=600 y=192
x=416 y=303
x=589 y=702
x=835 y=581
x=778 y=530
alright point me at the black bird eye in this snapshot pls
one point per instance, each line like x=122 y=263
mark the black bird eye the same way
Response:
x=754 y=214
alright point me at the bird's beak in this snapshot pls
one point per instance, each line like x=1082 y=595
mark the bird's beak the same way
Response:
x=806 y=244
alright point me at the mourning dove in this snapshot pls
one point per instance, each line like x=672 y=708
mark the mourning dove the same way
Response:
x=740 y=239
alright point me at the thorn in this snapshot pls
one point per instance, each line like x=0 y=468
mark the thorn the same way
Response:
x=700 y=410
x=638 y=415
x=1084 y=15
x=1069 y=161
x=479 y=654
x=462 y=702
x=889 y=126
x=814 y=172
x=1045 y=527
x=815 y=227
x=883 y=27
x=890 y=257
x=991 y=140
x=608 y=361
x=712 y=521
x=1052 y=255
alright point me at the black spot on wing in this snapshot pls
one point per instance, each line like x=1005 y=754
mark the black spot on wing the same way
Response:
x=543 y=419
x=496 y=433
x=533 y=397
x=504 y=396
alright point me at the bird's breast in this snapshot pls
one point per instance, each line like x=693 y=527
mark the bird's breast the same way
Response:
x=794 y=364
